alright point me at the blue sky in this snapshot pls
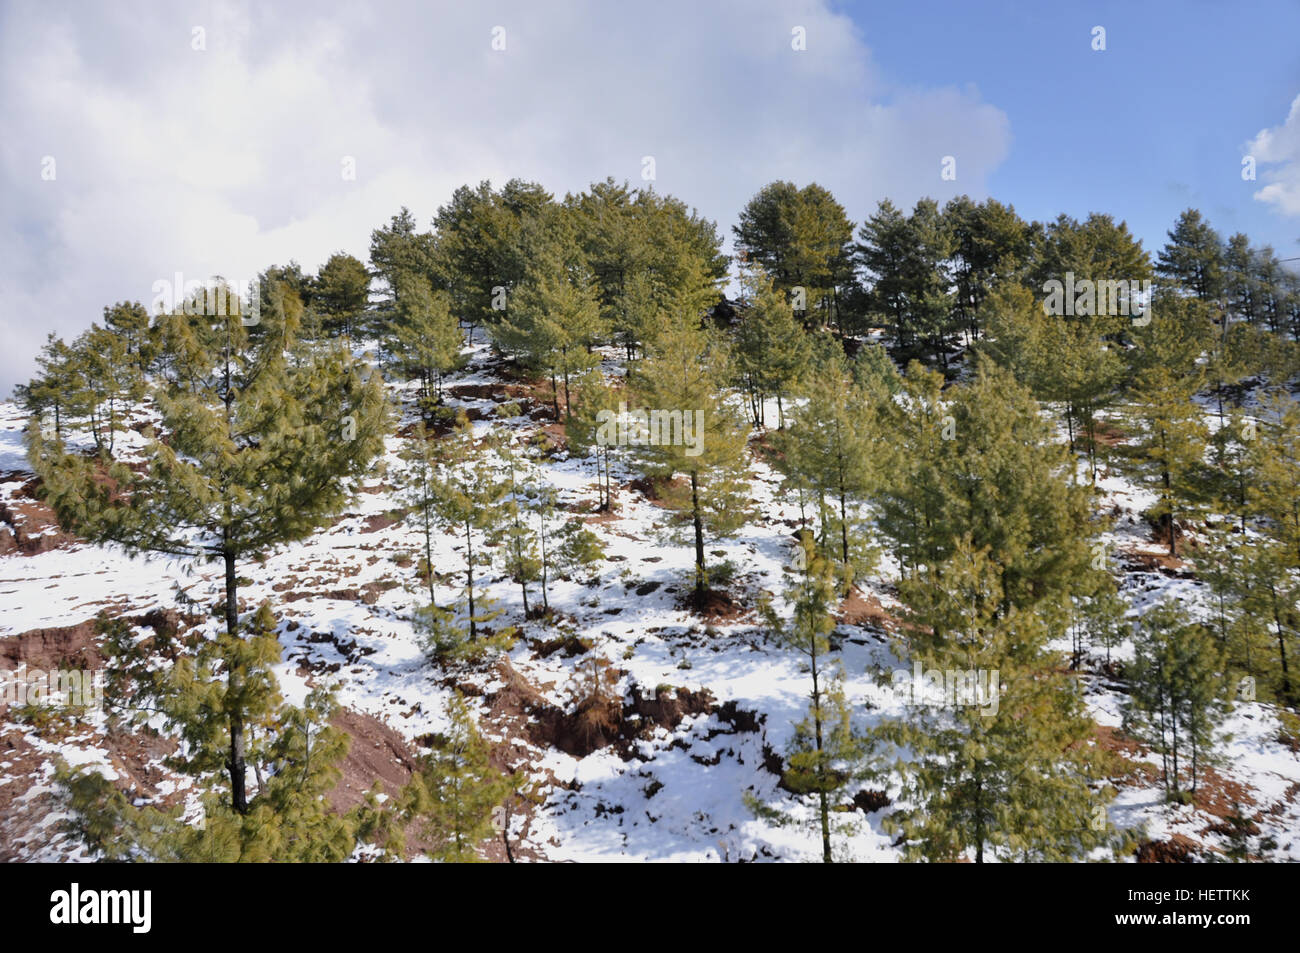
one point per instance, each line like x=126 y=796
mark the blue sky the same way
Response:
x=1152 y=125
x=223 y=156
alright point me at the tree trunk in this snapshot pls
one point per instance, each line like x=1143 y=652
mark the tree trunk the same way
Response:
x=469 y=575
x=237 y=765
x=697 y=519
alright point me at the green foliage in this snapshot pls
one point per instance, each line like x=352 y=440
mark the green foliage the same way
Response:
x=262 y=440
x=829 y=454
x=340 y=294
x=772 y=352
x=1194 y=257
x=685 y=371
x=981 y=459
x=801 y=238
x=454 y=793
x=825 y=755
x=1010 y=768
x=293 y=752
x=1176 y=697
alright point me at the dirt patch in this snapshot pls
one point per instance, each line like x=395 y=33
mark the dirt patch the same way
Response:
x=71 y=646
x=868 y=612
x=25 y=828
x=29 y=526
x=1220 y=796
x=567 y=645
x=1107 y=434
x=1177 y=850
x=1162 y=563
x=867 y=801
x=377 y=753
x=740 y=719
x=371 y=591
x=657 y=489
x=599 y=721
x=373 y=524
x=713 y=605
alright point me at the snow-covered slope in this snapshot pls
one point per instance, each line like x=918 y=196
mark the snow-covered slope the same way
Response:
x=671 y=786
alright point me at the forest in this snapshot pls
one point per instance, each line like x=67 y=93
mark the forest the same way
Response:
x=1040 y=468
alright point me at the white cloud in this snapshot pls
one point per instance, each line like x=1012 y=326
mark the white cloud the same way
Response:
x=1281 y=146
x=227 y=160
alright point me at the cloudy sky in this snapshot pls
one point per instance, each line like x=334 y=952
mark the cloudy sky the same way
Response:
x=142 y=139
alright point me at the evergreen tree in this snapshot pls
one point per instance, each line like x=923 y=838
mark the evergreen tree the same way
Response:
x=255 y=450
x=56 y=385
x=990 y=245
x=1005 y=767
x=884 y=247
x=800 y=237
x=825 y=755
x=597 y=401
x=294 y=754
x=453 y=794
x=340 y=294
x=1169 y=451
x=130 y=321
x=1176 y=692
x=1064 y=361
x=465 y=497
x=426 y=338
x=984 y=462
x=829 y=451
x=772 y=352
x=554 y=319
x=681 y=380
x=480 y=253
x=1193 y=257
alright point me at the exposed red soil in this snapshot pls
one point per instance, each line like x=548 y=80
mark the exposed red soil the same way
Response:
x=855 y=610
x=28 y=526
x=1177 y=850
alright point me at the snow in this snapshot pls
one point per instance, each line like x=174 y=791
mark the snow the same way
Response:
x=680 y=797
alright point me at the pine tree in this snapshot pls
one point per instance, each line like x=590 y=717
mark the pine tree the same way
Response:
x=465 y=498
x=513 y=529
x=1001 y=766
x=825 y=755
x=255 y=450
x=884 y=247
x=294 y=754
x=772 y=350
x=1064 y=361
x=55 y=387
x=130 y=321
x=597 y=402
x=419 y=491
x=990 y=245
x=1176 y=692
x=554 y=319
x=480 y=254
x=564 y=545
x=681 y=380
x=980 y=459
x=340 y=293
x=426 y=338
x=829 y=451
x=1193 y=257
x=1169 y=451
x=453 y=795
